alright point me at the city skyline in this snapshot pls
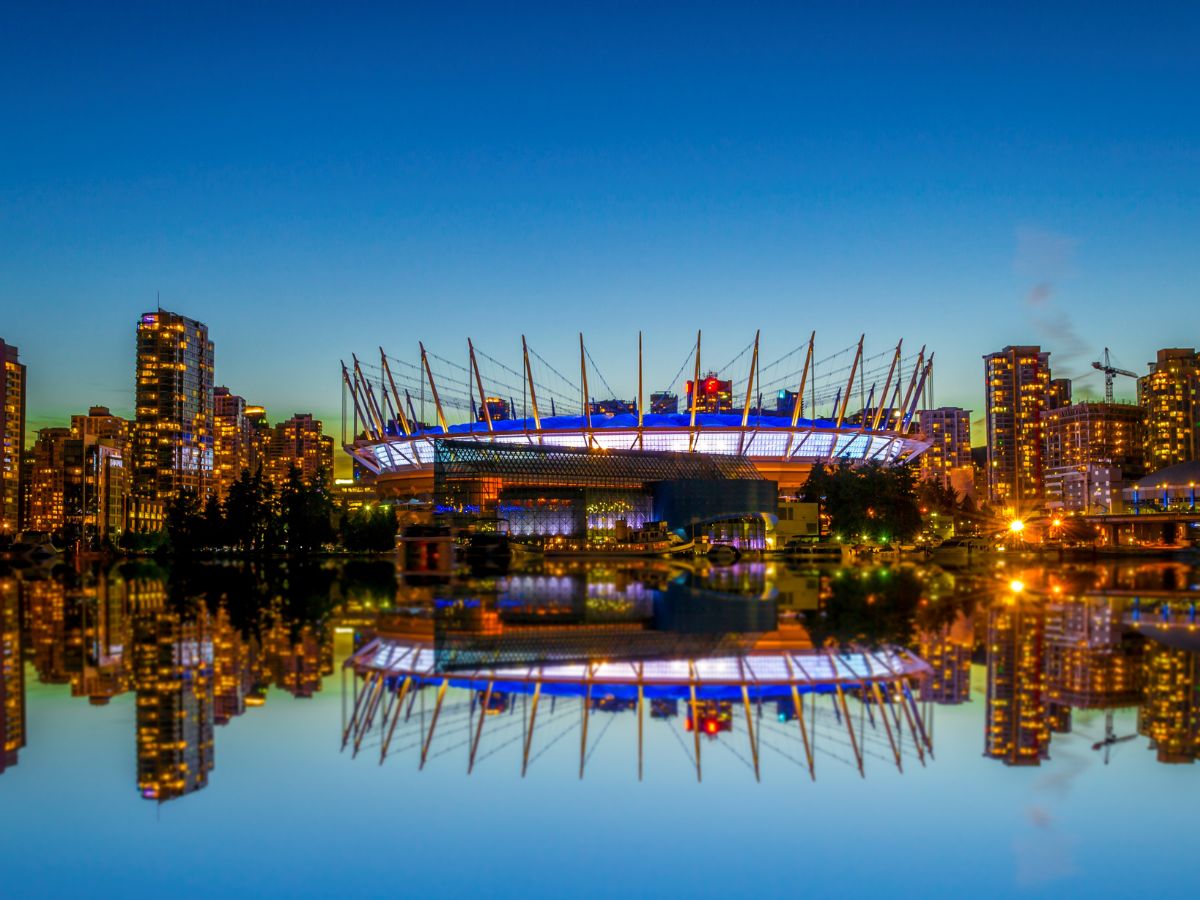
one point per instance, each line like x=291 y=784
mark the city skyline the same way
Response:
x=570 y=177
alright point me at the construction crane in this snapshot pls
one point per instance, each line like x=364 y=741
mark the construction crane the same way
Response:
x=1109 y=371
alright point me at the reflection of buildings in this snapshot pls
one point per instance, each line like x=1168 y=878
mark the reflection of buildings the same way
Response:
x=45 y=613
x=948 y=652
x=105 y=635
x=1091 y=663
x=173 y=672
x=1170 y=714
x=233 y=671
x=12 y=674
x=1017 y=727
x=298 y=659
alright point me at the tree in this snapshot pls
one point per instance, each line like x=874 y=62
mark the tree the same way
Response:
x=213 y=528
x=369 y=529
x=250 y=514
x=306 y=511
x=867 y=503
x=185 y=524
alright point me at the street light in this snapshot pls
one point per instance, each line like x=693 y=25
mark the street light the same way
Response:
x=1016 y=526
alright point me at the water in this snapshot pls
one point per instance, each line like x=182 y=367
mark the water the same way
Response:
x=180 y=732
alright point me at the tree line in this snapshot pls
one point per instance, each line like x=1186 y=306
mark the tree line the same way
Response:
x=255 y=519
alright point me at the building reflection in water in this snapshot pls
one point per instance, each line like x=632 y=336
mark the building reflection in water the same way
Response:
x=1093 y=639
x=560 y=650
x=178 y=648
x=12 y=675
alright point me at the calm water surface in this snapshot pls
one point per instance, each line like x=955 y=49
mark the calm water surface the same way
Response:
x=191 y=733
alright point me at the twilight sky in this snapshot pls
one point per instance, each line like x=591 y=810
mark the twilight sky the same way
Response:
x=312 y=183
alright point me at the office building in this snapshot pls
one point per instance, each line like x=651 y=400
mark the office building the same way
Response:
x=1170 y=398
x=173 y=432
x=1017 y=382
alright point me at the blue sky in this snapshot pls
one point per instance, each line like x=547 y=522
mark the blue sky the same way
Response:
x=315 y=182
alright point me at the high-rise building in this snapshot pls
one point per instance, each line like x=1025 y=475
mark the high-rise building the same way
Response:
x=712 y=395
x=1058 y=393
x=948 y=459
x=664 y=403
x=77 y=482
x=12 y=674
x=1096 y=433
x=1017 y=381
x=1091 y=450
x=49 y=499
x=173 y=673
x=298 y=442
x=233 y=440
x=260 y=437
x=1017 y=728
x=1170 y=397
x=497 y=407
x=173 y=433
x=100 y=441
x=12 y=438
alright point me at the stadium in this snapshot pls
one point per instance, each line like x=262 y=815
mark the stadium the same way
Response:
x=846 y=406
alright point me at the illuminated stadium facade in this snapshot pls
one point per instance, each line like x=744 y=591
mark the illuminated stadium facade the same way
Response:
x=388 y=438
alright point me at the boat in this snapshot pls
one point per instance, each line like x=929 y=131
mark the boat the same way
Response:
x=961 y=549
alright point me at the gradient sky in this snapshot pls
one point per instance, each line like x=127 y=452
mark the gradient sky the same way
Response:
x=312 y=183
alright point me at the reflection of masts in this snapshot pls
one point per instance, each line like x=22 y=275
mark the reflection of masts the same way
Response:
x=393 y=670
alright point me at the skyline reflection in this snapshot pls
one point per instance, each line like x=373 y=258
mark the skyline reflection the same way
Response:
x=200 y=649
